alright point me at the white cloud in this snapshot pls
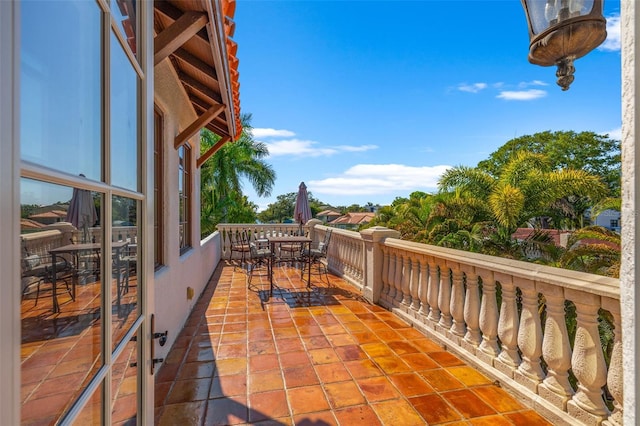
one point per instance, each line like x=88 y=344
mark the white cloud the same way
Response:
x=306 y=148
x=472 y=88
x=532 y=83
x=370 y=179
x=522 y=95
x=614 y=134
x=352 y=148
x=270 y=133
x=612 y=43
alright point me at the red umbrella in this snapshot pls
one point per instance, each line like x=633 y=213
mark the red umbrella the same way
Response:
x=302 y=211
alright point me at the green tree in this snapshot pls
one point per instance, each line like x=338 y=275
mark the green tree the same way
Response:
x=221 y=177
x=596 y=154
x=527 y=187
x=593 y=249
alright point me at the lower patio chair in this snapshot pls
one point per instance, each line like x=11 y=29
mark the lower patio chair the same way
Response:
x=259 y=257
x=317 y=257
x=239 y=241
x=37 y=270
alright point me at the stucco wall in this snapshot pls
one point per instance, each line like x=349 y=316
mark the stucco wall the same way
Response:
x=193 y=268
x=630 y=220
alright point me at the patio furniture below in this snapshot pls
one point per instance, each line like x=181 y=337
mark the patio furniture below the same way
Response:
x=317 y=257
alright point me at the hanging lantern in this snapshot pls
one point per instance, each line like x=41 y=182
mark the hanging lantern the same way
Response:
x=561 y=31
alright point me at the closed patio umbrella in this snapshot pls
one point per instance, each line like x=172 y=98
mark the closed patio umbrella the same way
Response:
x=82 y=212
x=302 y=211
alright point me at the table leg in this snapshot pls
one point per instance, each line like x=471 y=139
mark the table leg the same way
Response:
x=54 y=296
x=309 y=267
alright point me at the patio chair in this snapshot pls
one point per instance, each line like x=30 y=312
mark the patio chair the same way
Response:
x=260 y=256
x=37 y=270
x=239 y=243
x=317 y=257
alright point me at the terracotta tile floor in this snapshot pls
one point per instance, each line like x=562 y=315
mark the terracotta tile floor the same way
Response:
x=319 y=356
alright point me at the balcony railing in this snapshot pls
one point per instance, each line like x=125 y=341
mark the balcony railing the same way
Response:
x=505 y=317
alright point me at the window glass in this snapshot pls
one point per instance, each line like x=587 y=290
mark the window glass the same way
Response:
x=61 y=300
x=60 y=84
x=125 y=385
x=158 y=186
x=184 y=196
x=124 y=119
x=124 y=266
x=124 y=13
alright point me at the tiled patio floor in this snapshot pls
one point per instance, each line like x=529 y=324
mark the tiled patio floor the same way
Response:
x=316 y=357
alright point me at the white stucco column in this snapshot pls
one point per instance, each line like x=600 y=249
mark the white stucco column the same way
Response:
x=373 y=260
x=630 y=14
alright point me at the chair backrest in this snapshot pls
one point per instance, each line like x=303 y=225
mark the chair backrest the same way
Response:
x=324 y=245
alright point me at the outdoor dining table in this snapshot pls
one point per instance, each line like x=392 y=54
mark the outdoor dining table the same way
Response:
x=274 y=240
x=75 y=249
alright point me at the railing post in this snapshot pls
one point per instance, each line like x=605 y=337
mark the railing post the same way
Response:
x=529 y=373
x=406 y=281
x=587 y=361
x=432 y=292
x=508 y=360
x=444 y=298
x=488 y=349
x=471 y=310
x=416 y=275
x=422 y=288
x=614 y=377
x=373 y=238
x=556 y=349
x=458 y=328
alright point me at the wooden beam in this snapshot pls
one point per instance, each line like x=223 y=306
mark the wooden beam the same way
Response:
x=206 y=91
x=195 y=127
x=217 y=125
x=176 y=34
x=167 y=9
x=187 y=57
x=204 y=157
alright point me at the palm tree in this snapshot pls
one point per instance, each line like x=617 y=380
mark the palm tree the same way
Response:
x=593 y=249
x=221 y=175
x=526 y=188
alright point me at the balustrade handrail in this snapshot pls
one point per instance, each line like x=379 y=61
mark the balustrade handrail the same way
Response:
x=597 y=284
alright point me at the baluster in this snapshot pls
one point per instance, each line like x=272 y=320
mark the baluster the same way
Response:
x=529 y=372
x=508 y=324
x=472 y=307
x=587 y=361
x=614 y=377
x=406 y=280
x=457 y=301
x=392 y=275
x=415 y=283
x=488 y=318
x=432 y=292
x=423 y=286
x=556 y=349
x=385 y=271
x=444 y=297
x=398 y=279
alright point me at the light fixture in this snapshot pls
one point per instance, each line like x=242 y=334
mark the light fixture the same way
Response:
x=561 y=31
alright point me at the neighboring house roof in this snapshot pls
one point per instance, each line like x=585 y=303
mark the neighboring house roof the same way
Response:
x=49 y=215
x=30 y=224
x=555 y=234
x=329 y=213
x=354 y=219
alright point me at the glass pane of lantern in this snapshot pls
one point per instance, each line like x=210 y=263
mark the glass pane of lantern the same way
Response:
x=545 y=13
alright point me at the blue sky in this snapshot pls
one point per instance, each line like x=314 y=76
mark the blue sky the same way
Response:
x=366 y=101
